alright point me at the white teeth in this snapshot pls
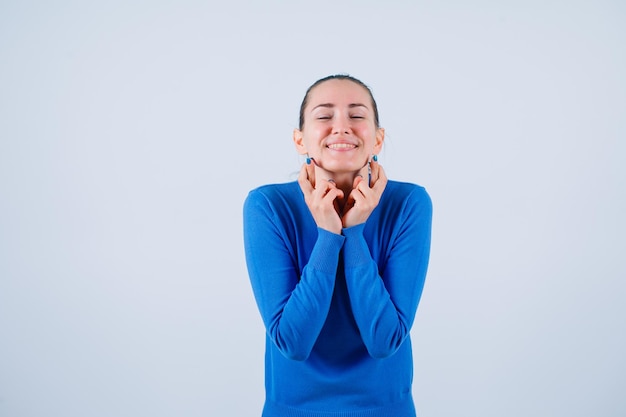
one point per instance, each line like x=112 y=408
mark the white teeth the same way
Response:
x=341 y=146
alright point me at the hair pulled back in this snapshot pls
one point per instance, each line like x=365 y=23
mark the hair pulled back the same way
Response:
x=347 y=77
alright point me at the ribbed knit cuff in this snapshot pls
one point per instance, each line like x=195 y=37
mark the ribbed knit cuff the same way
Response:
x=325 y=254
x=355 y=249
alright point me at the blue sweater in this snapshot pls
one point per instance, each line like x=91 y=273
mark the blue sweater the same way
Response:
x=337 y=309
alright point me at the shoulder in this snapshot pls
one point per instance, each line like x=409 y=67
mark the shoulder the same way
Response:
x=402 y=201
x=273 y=192
x=274 y=196
x=398 y=192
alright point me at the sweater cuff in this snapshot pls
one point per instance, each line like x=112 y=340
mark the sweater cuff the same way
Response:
x=356 y=252
x=325 y=254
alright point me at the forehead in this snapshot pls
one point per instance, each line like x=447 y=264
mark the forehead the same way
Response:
x=339 y=92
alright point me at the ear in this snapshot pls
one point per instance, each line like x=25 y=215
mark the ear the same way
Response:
x=380 y=138
x=298 y=140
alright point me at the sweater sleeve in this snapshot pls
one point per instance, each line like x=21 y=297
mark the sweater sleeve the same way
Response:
x=293 y=306
x=384 y=306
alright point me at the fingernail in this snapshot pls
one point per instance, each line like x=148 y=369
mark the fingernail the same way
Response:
x=375 y=158
x=331 y=180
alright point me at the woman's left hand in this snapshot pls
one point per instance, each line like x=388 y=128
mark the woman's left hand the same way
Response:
x=364 y=197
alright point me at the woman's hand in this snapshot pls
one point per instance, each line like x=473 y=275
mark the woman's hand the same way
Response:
x=364 y=198
x=321 y=198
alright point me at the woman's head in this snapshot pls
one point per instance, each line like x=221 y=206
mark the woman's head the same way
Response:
x=305 y=101
x=339 y=125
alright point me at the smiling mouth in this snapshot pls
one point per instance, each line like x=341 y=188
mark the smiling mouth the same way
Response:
x=341 y=146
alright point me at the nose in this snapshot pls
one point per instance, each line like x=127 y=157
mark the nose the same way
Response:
x=342 y=126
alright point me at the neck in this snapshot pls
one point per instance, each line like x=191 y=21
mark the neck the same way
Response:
x=343 y=180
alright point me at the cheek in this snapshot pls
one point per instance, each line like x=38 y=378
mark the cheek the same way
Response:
x=317 y=133
x=368 y=135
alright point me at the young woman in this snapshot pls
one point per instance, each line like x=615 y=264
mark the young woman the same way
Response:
x=337 y=262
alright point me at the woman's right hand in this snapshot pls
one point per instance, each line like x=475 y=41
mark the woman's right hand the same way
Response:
x=321 y=197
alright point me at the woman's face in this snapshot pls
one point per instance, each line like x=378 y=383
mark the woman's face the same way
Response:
x=339 y=129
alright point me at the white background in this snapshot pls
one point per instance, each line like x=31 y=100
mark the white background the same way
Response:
x=131 y=132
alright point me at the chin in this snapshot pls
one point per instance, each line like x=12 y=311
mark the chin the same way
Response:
x=337 y=165
x=343 y=168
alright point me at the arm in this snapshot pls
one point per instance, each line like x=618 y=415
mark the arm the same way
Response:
x=293 y=307
x=384 y=309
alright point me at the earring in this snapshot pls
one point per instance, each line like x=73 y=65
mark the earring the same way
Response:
x=308 y=159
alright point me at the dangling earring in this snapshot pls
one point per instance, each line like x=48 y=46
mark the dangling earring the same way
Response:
x=369 y=169
x=308 y=159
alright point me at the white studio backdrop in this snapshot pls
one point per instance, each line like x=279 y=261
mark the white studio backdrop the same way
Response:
x=131 y=132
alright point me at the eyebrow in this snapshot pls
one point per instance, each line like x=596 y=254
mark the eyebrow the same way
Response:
x=331 y=105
